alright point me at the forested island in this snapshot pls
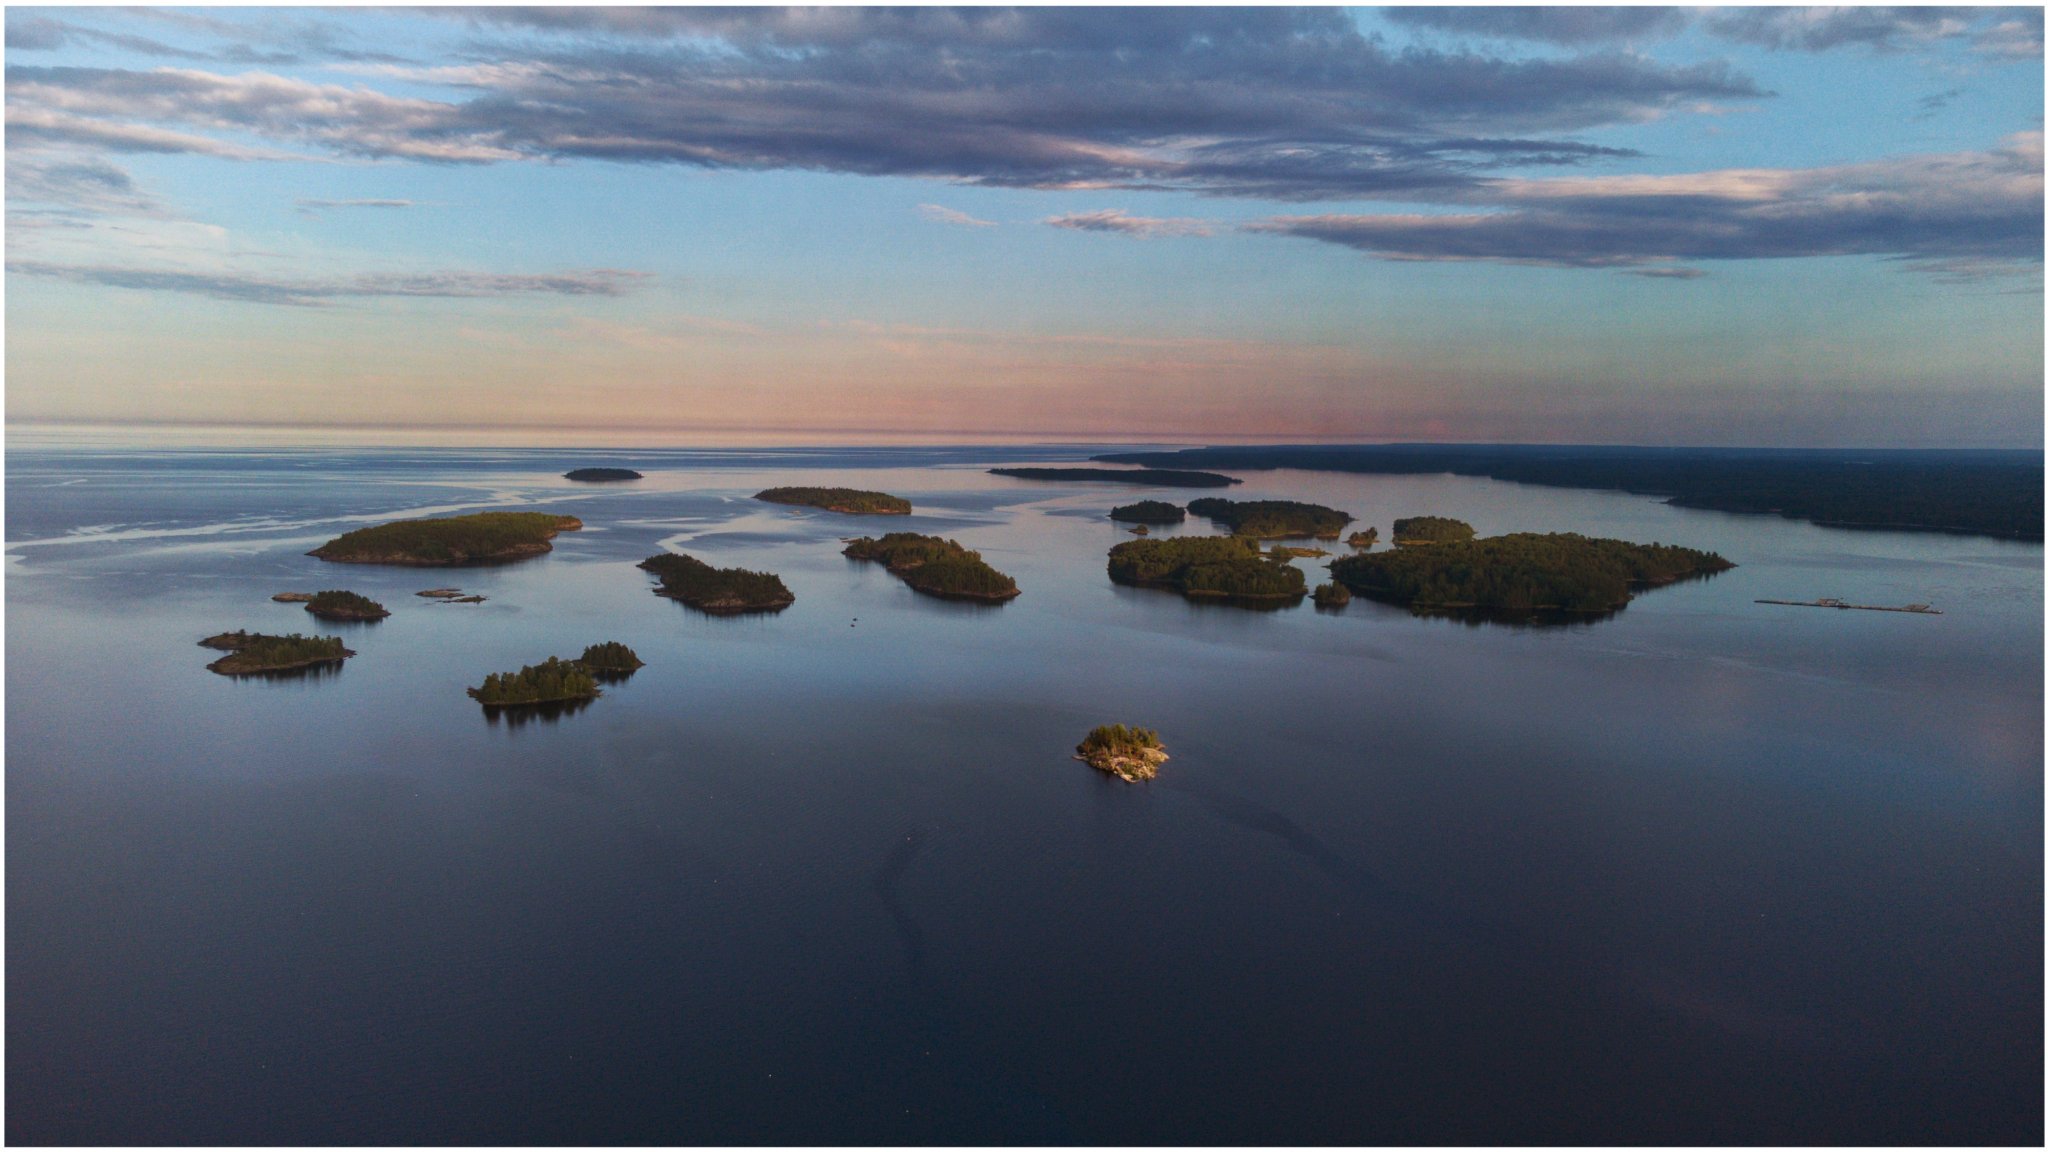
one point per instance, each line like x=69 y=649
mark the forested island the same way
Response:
x=611 y=660
x=1332 y=595
x=1981 y=492
x=1225 y=567
x=1363 y=541
x=1149 y=512
x=252 y=653
x=1430 y=530
x=1132 y=754
x=551 y=681
x=335 y=604
x=1521 y=575
x=1269 y=519
x=852 y=501
x=453 y=541
x=601 y=475
x=719 y=591
x=1158 y=477
x=935 y=566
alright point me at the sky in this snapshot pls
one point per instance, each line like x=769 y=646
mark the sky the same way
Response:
x=1785 y=226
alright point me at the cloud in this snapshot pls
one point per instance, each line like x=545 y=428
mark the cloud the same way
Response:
x=1569 y=26
x=1929 y=210
x=1231 y=102
x=80 y=184
x=311 y=207
x=944 y=215
x=1119 y=221
x=2010 y=32
x=312 y=292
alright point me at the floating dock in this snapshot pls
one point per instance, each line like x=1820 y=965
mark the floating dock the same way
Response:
x=1916 y=609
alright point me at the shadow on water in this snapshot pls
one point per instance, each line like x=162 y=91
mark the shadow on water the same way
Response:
x=519 y=717
x=887 y=878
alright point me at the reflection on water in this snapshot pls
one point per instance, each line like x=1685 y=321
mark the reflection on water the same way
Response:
x=519 y=716
x=831 y=876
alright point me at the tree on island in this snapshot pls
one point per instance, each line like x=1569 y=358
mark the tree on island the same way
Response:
x=935 y=566
x=547 y=682
x=1268 y=519
x=852 y=501
x=1149 y=512
x=254 y=652
x=1430 y=530
x=717 y=590
x=1226 y=567
x=1363 y=541
x=336 y=604
x=479 y=538
x=1133 y=754
x=1521 y=574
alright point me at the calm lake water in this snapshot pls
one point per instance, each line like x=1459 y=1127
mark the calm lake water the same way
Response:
x=1707 y=871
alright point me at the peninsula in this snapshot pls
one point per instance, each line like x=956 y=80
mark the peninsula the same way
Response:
x=335 y=604
x=1976 y=491
x=1230 y=568
x=252 y=653
x=851 y=501
x=1430 y=530
x=718 y=591
x=601 y=475
x=1149 y=512
x=1132 y=754
x=449 y=542
x=1158 y=477
x=1271 y=519
x=935 y=566
x=552 y=681
x=1521 y=575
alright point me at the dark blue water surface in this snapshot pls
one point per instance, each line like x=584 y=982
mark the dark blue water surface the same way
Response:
x=1707 y=871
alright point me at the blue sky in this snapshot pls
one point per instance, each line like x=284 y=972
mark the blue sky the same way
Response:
x=1736 y=226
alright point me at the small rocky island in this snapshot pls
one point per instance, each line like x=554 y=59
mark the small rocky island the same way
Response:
x=1430 y=530
x=1149 y=512
x=450 y=596
x=292 y=597
x=1132 y=754
x=1272 y=519
x=1228 y=568
x=552 y=681
x=719 y=591
x=335 y=604
x=1158 y=477
x=1523 y=575
x=611 y=660
x=449 y=542
x=252 y=653
x=601 y=475
x=935 y=566
x=851 y=501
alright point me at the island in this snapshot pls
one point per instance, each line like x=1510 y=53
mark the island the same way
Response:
x=292 y=597
x=1131 y=754
x=1991 y=492
x=1229 y=568
x=552 y=681
x=611 y=660
x=1149 y=512
x=1158 y=477
x=1332 y=595
x=1523 y=575
x=601 y=475
x=335 y=604
x=1363 y=541
x=252 y=653
x=1268 y=519
x=1430 y=530
x=1289 y=552
x=1139 y=530
x=935 y=566
x=851 y=501
x=718 y=591
x=450 y=542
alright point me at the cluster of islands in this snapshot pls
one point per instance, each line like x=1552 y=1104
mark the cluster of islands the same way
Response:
x=1436 y=565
